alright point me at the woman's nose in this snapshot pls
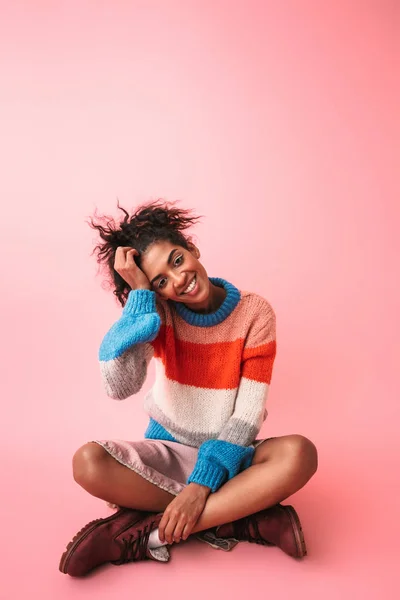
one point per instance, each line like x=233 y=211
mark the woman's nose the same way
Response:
x=178 y=279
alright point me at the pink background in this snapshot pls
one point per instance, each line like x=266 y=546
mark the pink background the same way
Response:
x=278 y=122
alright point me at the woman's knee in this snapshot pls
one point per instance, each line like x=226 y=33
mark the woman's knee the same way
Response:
x=88 y=464
x=301 y=453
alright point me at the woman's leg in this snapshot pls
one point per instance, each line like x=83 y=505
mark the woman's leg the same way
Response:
x=104 y=477
x=281 y=466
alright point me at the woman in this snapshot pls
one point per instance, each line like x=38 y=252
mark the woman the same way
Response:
x=199 y=469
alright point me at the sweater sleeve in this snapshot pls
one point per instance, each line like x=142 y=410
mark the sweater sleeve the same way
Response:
x=126 y=351
x=221 y=459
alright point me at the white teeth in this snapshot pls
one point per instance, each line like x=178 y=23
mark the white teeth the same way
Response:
x=191 y=287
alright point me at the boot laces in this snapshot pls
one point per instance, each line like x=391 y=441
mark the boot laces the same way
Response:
x=243 y=531
x=134 y=547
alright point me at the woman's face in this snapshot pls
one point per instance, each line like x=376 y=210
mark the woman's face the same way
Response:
x=176 y=274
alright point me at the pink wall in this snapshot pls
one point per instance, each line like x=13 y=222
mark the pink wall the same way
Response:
x=276 y=120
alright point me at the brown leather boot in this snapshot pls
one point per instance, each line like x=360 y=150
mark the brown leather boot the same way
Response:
x=119 y=539
x=276 y=526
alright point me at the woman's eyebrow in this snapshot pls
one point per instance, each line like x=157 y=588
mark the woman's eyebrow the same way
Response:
x=171 y=254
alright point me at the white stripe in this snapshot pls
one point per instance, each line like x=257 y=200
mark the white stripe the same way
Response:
x=251 y=401
x=192 y=408
x=201 y=409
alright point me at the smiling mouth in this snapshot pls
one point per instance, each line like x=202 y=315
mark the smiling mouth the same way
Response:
x=191 y=286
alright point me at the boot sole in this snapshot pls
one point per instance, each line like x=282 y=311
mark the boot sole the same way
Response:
x=298 y=532
x=76 y=540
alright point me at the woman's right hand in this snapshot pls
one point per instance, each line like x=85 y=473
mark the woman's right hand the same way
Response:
x=125 y=266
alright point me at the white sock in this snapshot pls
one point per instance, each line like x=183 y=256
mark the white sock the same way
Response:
x=154 y=540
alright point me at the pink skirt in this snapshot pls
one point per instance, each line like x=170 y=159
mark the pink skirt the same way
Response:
x=165 y=464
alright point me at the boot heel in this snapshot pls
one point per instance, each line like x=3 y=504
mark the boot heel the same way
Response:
x=298 y=531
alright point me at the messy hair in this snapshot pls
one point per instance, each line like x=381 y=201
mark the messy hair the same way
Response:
x=151 y=222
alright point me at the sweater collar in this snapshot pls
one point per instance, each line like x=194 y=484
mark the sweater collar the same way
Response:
x=208 y=320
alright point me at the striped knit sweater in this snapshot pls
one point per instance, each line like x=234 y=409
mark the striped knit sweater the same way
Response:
x=213 y=372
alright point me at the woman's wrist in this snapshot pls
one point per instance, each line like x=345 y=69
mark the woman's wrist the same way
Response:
x=202 y=489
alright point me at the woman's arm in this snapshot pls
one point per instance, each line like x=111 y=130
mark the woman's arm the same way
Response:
x=125 y=351
x=221 y=459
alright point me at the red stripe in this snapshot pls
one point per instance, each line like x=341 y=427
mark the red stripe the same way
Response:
x=214 y=366
x=258 y=362
x=218 y=365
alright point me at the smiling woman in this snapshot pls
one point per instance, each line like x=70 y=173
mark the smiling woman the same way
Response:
x=200 y=468
x=183 y=278
x=150 y=224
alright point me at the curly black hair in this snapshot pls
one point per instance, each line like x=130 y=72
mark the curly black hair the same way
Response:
x=151 y=222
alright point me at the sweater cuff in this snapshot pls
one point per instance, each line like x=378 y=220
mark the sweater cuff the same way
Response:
x=208 y=474
x=140 y=302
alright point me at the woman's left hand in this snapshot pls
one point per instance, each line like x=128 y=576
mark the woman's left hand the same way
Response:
x=182 y=514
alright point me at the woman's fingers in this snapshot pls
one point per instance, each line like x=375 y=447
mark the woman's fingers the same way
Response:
x=178 y=531
x=187 y=530
x=129 y=257
x=120 y=257
x=169 y=531
x=126 y=267
x=161 y=527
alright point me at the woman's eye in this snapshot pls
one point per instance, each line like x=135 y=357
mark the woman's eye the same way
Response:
x=178 y=261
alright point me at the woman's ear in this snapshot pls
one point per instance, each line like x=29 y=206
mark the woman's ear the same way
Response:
x=194 y=250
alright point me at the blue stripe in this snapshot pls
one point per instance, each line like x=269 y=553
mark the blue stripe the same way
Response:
x=155 y=431
x=138 y=324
